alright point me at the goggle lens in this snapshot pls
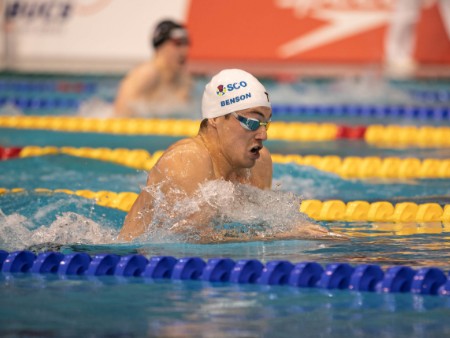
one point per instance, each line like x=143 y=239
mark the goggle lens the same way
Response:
x=250 y=123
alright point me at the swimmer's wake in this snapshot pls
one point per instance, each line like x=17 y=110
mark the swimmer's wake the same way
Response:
x=240 y=213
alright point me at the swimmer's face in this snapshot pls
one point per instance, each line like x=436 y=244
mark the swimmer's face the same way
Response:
x=241 y=146
x=177 y=52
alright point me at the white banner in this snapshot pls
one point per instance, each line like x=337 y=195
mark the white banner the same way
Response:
x=84 y=35
x=2 y=37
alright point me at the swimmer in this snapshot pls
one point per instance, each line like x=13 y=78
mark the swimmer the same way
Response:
x=229 y=147
x=161 y=84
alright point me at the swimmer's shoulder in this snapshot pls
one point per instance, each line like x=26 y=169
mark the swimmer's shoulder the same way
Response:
x=134 y=85
x=188 y=146
x=264 y=161
x=143 y=75
x=265 y=156
x=189 y=154
x=262 y=171
x=144 y=68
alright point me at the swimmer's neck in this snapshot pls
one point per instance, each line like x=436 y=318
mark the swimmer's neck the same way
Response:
x=223 y=169
x=167 y=71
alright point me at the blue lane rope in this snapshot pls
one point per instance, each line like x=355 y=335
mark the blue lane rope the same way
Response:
x=437 y=113
x=46 y=86
x=422 y=112
x=43 y=103
x=21 y=85
x=365 y=277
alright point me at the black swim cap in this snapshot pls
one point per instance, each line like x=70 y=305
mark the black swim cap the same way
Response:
x=167 y=30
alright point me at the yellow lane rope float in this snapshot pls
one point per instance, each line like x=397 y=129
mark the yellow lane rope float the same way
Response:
x=292 y=131
x=331 y=210
x=402 y=136
x=389 y=135
x=347 y=167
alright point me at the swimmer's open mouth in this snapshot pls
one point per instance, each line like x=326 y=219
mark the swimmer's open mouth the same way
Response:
x=255 y=149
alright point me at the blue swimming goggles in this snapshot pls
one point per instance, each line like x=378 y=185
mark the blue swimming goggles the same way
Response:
x=249 y=123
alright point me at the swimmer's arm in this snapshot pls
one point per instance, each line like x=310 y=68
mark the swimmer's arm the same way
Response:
x=186 y=170
x=137 y=218
x=182 y=169
x=186 y=87
x=138 y=83
x=304 y=231
x=121 y=104
x=307 y=230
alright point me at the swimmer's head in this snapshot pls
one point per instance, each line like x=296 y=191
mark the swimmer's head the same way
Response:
x=169 y=30
x=232 y=90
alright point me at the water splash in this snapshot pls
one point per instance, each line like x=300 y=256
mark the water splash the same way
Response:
x=96 y=107
x=364 y=89
x=99 y=108
x=238 y=212
x=10 y=110
x=16 y=231
x=73 y=228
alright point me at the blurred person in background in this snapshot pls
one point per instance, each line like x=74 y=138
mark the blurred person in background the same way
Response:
x=161 y=85
x=401 y=35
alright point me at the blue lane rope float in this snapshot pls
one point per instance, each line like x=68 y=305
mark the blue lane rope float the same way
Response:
x=342 y=276
x=17 y=87
x=34 y=103
x=438 y=112
x=422 y=112
x=430 y=95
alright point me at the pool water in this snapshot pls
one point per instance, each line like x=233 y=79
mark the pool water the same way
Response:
x=110 y=307
x=128 y=307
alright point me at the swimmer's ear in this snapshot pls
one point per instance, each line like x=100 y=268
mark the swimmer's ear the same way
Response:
x=213 y=122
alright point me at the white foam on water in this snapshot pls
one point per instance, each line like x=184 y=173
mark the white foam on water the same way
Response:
x=10 y=109
x=368 y=88
x=248 y=205
x=96 y=107
x=14 y=231
x=17 y=233
x=45 y=210
x=308 y=187
x=70 y=228
x=236 y=209
x=239 y=212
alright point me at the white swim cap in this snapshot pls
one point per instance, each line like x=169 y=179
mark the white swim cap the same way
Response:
x=232 y=90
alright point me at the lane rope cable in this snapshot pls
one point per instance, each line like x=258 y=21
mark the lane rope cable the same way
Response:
x=343 y=276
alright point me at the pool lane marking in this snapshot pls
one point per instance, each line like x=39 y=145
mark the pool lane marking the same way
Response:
x=388 y=135
x=307 y=274
x=291 y=131
x=346 y=167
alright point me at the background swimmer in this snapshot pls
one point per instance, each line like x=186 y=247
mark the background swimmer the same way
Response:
x=228 y=150
x=162 y=84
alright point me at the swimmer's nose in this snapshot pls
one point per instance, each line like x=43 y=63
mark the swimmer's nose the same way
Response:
x=261 y=133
